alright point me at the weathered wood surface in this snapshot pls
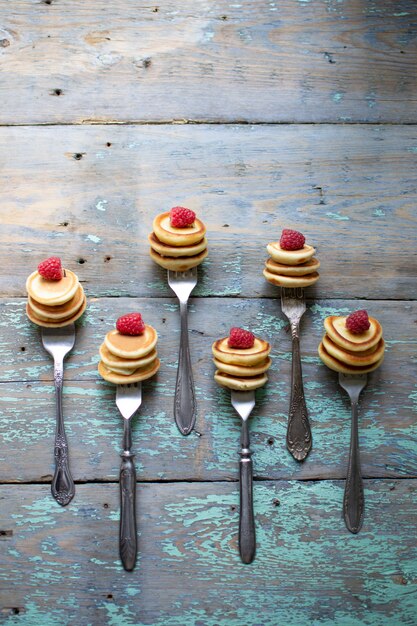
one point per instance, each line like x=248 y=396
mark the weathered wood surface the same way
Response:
x=61 y=566
x=287 y=61
x=351 y=189
x=388 y=427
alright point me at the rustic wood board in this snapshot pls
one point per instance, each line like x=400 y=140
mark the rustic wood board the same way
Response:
x=350 y=189
x=388 y=406
x=305 y=61
x=61 y=566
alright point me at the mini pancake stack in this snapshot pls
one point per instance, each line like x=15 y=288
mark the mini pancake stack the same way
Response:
x=351 y=352
x=174 y=247
x=292 y=262
x=241 y=368
x=128 y=355
x=55 y=297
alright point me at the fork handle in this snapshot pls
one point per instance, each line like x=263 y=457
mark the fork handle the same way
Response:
x=62 y=487
x=298 y=431
x=247 y=537
x=127 y=531
x=184 y=402
x=354 y=500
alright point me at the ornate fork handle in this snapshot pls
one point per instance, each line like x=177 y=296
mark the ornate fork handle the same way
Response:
x=298 y=432
x=127 y=532
x=62 y=488
x=354 y=500
x=184 y=404
x=247 y=537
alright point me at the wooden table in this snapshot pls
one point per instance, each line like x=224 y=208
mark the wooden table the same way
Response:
x=259 y=116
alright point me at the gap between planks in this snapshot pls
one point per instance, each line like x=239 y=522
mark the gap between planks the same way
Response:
x=220 y=122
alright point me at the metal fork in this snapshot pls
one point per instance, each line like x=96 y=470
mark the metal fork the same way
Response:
x=299 y=440
x=128 y=400
x=58 y=342
x=182 y=284
x=353 y=500
x=243 y=402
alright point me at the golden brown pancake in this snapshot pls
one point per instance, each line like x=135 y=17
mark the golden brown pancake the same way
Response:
x=57 y=324
x=338 y=366
x=290 y=257
x=336 y=329
x=303 y=269
x=59 y=311
x=142 y=373
x=177 y=236
x=176 y=251
x=241 y=384
x=111 y=361
x=245 y=357
x=178 y=264
x=131 y=346
x=291 y=281
x=360 y=359
x=241 y=371
x=52 y=292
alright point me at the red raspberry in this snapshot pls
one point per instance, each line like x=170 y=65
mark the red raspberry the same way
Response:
x=131 y=324
x=358 y=322
x=240 y=338
x=51 y=268
x=291 y=240
x=181 y=217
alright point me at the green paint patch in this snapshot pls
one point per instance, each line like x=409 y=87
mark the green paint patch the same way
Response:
x=338 y=96
x=337 y=216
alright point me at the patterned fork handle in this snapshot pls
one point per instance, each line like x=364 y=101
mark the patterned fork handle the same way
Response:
x=298 y=431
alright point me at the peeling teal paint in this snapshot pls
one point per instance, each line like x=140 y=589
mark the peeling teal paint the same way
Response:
x=338 y=96
x=93 y=238
x=337 y=216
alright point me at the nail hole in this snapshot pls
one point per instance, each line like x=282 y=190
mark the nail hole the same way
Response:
x=402 y=52
x=15 y=611
x=225 y=225
x=271 y=441
x=47 y=1
x=56 y=92
x=224 y=17
x=233 y=508
x=28 y=386
x=22 y=349
x=107 y=259
x=105 y=505
x=101 y=319
x=108 y=144
x=276 y=502
x=155 y=10
x=164 y=319
x=78 y=156
x=4 y=43
x=6 y=533
x=147 y=62
x=64 y=223
x=109 y=596
x=81 y=261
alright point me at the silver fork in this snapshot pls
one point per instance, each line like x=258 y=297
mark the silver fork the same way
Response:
x=58 y=342
x=243 y=402
x=353 y=499
x=182 y=284
x=128 y=400
x=299 y=440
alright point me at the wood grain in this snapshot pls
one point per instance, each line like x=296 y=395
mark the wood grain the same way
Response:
x=78 y=62
x=388 y=433
x=350 y=189
x=61 y=566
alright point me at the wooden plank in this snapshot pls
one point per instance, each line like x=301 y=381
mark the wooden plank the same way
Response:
x=61 y=566
x=388 y=431
x=351 y=189
x=261 y=62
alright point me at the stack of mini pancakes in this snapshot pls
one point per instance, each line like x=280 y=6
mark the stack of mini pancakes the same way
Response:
x=177 y=249
x=350 y=353
x=291 y=268
x=128 y=358
x=243 y=369
x=55 y=303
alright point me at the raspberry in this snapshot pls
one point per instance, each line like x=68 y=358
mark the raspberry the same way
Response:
x=291 y=240
x=51 y=268
x=181 y=217
x=131 y=324
x=358 y=322
x=240 y=338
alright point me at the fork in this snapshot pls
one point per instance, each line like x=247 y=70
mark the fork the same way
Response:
x=58 y=342
x=182 y=284
x=128 y=400
x=299 y=440
x=353 y=499
x=243 y=402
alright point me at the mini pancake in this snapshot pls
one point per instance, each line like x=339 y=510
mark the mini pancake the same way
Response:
x=243 y=357
x=336 y=329
x=310 y=266
x=111 y=361
x=52 y=292
x=174 y=251
x=243 y=372
x=240 y=384
x=361 y=359
x=178 y=264
x=131 y=346
x=290 y=257
x=291 y=281
x=142 y=373
x=338 y=366
x=60 y=311
x=33 y=318
x=177 y=236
